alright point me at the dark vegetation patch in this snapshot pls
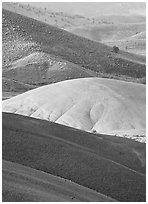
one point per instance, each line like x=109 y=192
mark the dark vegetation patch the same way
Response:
x=86 y=53
x=95 y=161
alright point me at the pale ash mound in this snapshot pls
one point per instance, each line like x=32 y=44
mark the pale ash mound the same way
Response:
x=90 y=104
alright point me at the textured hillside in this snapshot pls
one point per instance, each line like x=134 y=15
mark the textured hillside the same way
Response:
x=24 y=64
x=78 y=50
x=104 y=28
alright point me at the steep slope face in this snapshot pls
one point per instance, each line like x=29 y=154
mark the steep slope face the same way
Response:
x=88 y=54
x=110 y=165
x=112 y=28
x=91 y=104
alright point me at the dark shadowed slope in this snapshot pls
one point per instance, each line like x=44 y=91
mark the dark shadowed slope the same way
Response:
x=91 y=55
x=12 y=88
x=16 y=86
x=109 y=167
x=25 y=184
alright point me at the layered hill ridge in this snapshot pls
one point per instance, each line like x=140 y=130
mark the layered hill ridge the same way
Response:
x=91 y=104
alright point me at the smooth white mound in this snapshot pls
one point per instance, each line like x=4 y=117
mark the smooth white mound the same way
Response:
x=90 y=104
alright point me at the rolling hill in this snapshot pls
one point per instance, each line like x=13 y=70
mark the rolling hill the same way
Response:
x=116 y=171
x=90 y=104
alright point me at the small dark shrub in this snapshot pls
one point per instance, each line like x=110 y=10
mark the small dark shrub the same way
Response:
x=115 y=49
x=94 y=132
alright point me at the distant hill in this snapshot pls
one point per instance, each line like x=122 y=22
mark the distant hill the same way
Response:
x=116 y=34
x=53 y=41
x=108 y=32
x=122 y=19
x=67 y=20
